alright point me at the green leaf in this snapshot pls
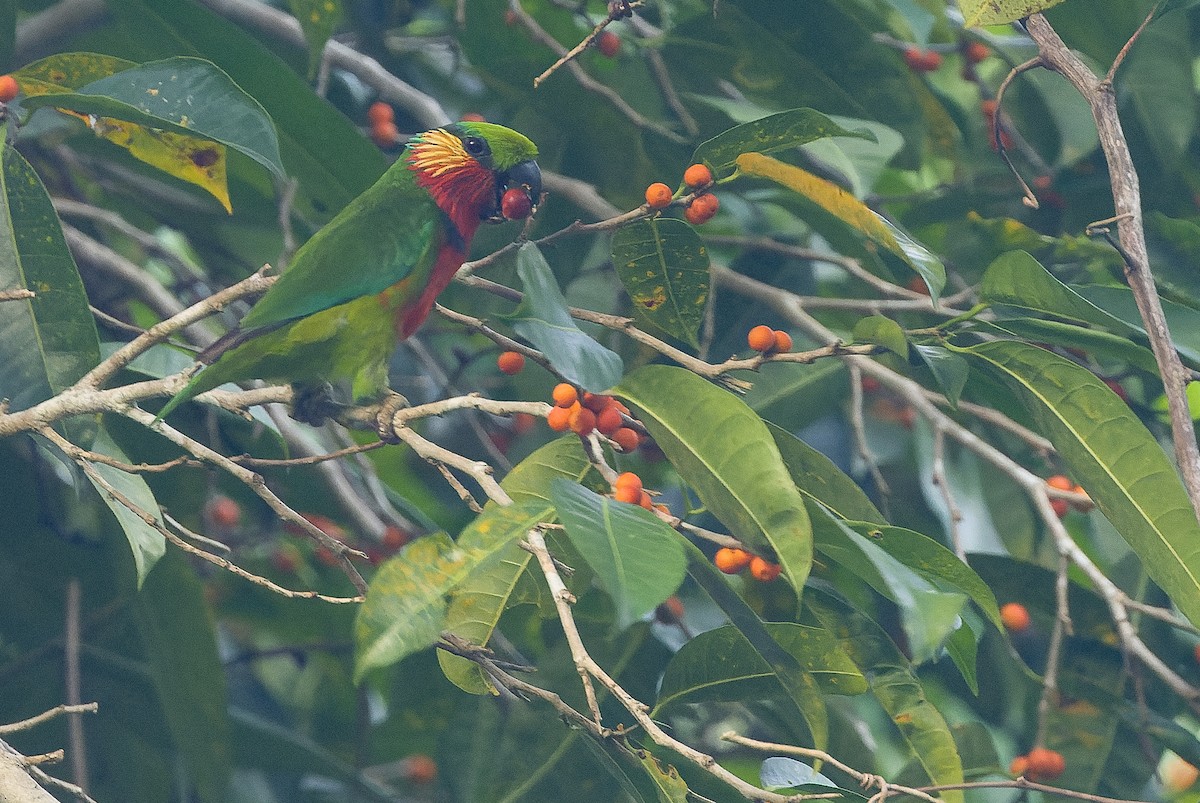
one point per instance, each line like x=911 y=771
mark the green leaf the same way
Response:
x=882 y=331
x=405 y=609
x=929 y=615
x=799 y=686
x=721 y=665
x=725 y=452
x=664 y=268
x=818 y=477
x=1113 y=455
x=186 y=95
x=1096 y=342
x=850 y=213
x=777 y=132
x=1160 y=87
x=636 y=557
x=317 y=18
x=178 y=634
x=1016 y=279
x=977 y=13
x=1184 y=322
x=543 y=319
x=670 y=787
x=896 y=687
x=949 y=370
x=49 y=341
x=145 y=542
x=478 y=602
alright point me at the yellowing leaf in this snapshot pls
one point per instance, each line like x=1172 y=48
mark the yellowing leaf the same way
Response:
x=999 y=12
x=67 y=71
x=196 y=161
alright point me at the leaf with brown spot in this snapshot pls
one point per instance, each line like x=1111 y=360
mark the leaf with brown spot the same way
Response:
x=664 y=268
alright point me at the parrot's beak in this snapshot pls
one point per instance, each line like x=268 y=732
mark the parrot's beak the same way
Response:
x=525 y=176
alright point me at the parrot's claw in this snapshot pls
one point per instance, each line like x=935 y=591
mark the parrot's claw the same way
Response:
x=314 y=404
x=384 y=421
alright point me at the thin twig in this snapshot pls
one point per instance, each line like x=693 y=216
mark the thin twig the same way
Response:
x=582 y=46
x=45 y=716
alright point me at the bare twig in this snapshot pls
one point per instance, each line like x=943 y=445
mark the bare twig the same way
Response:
x=46 y=716
x=582 y=46
x=16 y=295
x=73 y=683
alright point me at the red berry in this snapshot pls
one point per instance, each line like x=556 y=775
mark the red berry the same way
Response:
x=917 y=285
x=1060 y=507
x=385 y=134
x=380 y=112
x=515 y=204
x=473 y=117
x=1116 y=388
x=608 y=421
x=989 y=107
x=761 y=338
x=522 y=423
x=608 y=43
x=564 y=395
x=913 y=58
x=420 y=769
x=224 y=511
x=701 y=209
x=8 y=88
x=870 y=384
x=627 y=439
x=1015 y=617
x=646 y=501
x=698 y=175
x=658 y=196
x=510 y=362
x=732 y=560
x=559 y=419
x=394 y=537
x=595 y=402
x=931 y=61
x=976 y=52
x=783 y=342
x=670 y=611
x=764 y=570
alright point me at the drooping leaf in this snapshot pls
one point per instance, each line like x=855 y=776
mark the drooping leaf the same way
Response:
x=896 y=687
x=850 y=213
x=779 y=772
x=725 y=452
x=777 y=132
x=405 y=609
x=670 y=787
x=635 y=555
x=1113 y=455
x=949 y=370
x=664 y=268
x=721 y=665
x=817 y=476
x=799 y=686
x=977 y=13
x=543 y=319
x=49 y=341
x=928 y=614
x=317 y=18
x=884 y=332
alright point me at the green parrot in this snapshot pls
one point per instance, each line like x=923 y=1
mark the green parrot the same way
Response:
x=370 y=277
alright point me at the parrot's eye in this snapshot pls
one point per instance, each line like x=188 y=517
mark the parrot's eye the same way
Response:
x=475 y=146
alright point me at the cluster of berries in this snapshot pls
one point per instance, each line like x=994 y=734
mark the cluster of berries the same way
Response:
x=919 y=60
x=697 y=178
x=769 y=341
x=1039 y=764
x=1061 y=506
x=382 y=118
x=591 y=411
x=732 y=560
x=627 y=487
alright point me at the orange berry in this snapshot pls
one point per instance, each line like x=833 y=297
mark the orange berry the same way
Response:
x=620 y=407
x=658 y=196
x=473 y=117
x=8 y=88
x=698 y=175
x=628 y=479
x=394 y=537
x=761 y=338
x=608 y=43
x=931 y=60
x=582 y=421
x=385 y=134
x=1178 y=774
x=989 y=107
x=522 y=423
x=420 y=769
x=1046 y=764
x=764 y=570
x=559 y=419
x=510 y=362
x=608 y=421
x=380 y=112
x=702 y=209
x=1019 y=765
x=564 y=395
x=783 y=342
x=732 y=560
x=1015 y=617
x=646 y=501
x=976 y=52
x=627 y=439
x=1060 y=482
x=1060 y=507
x=224 y=511
x=917 y=285
x=628 y=494
x=595 y=402
x=670 y=611
x=661 y=508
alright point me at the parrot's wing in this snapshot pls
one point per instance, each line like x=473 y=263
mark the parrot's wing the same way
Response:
x=382 y=237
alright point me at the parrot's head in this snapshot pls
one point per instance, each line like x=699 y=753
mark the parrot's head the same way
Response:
x=467 y=167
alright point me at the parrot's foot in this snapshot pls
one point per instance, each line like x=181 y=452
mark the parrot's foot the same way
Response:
x=384 y=426
x=314 y=404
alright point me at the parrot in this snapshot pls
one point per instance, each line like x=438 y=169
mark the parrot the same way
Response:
x=369 y=278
